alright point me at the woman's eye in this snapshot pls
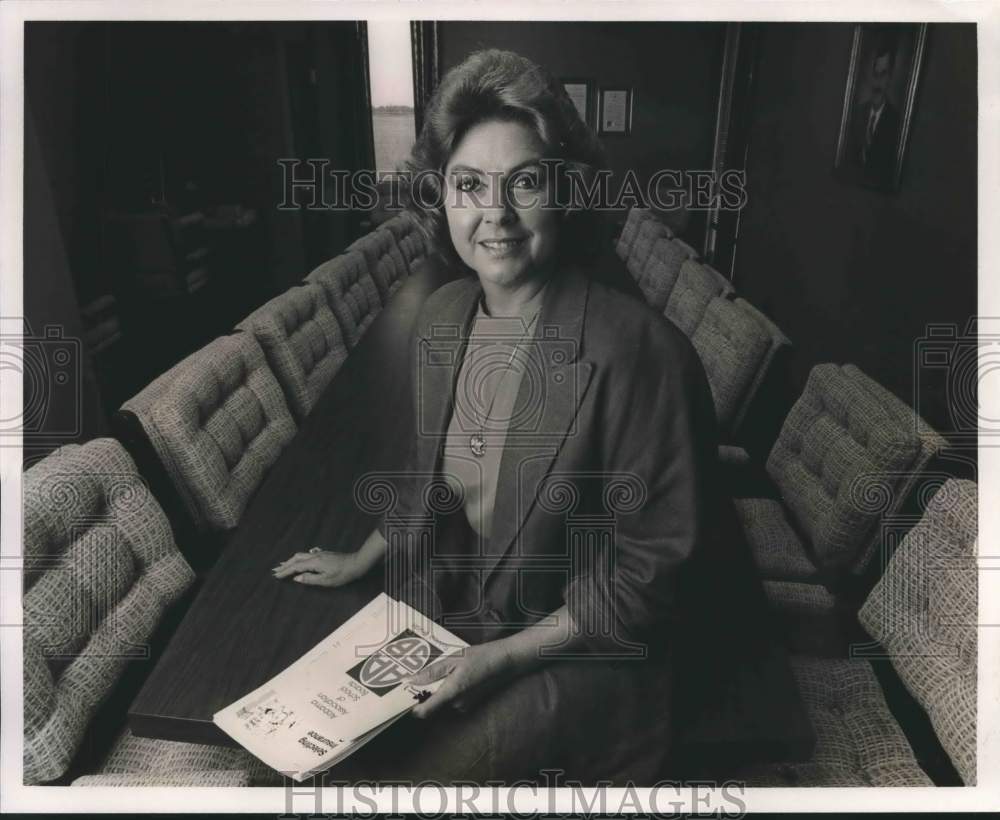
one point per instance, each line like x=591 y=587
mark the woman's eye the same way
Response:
x=466 y=183
x=525 y=181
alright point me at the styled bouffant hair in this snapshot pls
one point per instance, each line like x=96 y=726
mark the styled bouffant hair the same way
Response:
x=502 y=85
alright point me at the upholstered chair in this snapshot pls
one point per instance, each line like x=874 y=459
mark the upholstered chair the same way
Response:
x=846 y=458
x=858 y=741
x=922 y=615
x=217 y=422
x=736 y=345
x=636 y=218
x=350 y=292
x=648 y=232
x=101 y=568
x=695 y=286
x=924 y=612
x=303 y=343
x=409 y=238
x=384 y=259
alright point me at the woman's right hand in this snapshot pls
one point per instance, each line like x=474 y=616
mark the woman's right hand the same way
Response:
x=322 y=568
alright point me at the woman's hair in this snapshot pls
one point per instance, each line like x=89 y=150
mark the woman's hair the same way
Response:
x=502 y=85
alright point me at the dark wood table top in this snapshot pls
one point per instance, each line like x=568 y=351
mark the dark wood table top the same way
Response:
x=244 y=626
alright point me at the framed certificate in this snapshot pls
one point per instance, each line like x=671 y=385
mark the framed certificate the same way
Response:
x=579 y=93
x=615 y=111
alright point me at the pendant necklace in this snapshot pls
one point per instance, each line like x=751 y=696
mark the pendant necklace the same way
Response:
x=477 y=441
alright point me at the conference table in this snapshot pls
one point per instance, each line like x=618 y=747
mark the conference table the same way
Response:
x=244 y=626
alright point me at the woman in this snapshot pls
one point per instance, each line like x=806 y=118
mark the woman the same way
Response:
x=560 y=413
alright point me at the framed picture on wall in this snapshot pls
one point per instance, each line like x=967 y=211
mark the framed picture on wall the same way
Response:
x=615 y=111
x=882 y=77
x=579 y=92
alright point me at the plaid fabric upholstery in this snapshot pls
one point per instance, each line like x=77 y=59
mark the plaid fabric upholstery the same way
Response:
x=409 y=238
x=623 y=244
x=302 y=341
x=142 y=761
x=388 y=277
x=696 y=286
x=377 y=244
x=649 y=232
x=658 y=274
x=791 y=597
x=218 y=779
x=930 y=443
x=691 y=253
x=635 y=220
x=776 y=548
x=858 y=743
x=350 y=292
x=217 y=423
x=838 y=452
x=776 y=341
x=731 y=345
x=924 y=612
x=384 y=259
x=101 y=568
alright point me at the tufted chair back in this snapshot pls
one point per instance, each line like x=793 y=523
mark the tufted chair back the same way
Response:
x=648 y=233
x=350 y=292
x=931 y=442
x=302 y=341
x=217 y=421
x=388 y=276
x=409 y=238
x=924 y=611
x=695 y=287
x=636 y=218
x=658 y=273
x=841 y=461
x=385 y=261
x=733 y=347
x=101 y=567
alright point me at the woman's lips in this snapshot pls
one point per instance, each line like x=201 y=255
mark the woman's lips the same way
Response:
x=502 y=247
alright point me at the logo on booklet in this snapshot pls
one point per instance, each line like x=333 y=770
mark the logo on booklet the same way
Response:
x=384 y=670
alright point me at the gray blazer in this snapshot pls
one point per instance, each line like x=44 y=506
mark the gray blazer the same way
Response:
x=607 y=484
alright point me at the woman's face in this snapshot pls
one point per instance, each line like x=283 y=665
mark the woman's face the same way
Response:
x=495 y=195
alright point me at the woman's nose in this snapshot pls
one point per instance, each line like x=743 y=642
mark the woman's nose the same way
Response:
x=499 y=216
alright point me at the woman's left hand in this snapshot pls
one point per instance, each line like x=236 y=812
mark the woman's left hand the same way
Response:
x=469 y=675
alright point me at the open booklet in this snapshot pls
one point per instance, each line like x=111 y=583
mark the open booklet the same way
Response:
x=342 y=693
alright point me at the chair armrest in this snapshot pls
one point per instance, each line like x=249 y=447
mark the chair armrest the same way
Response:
x=218 y=779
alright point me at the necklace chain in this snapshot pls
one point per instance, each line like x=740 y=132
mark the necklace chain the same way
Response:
x=477 y=441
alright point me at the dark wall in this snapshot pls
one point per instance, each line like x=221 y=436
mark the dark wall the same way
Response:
x=673 y=69
x=141 y=119
x=60 y=391
x=853 y=275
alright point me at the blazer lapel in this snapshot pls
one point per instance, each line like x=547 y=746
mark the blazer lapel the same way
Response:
x=439 y=355
x=549 y=396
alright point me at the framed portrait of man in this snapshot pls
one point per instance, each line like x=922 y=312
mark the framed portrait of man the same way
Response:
x=882 y=78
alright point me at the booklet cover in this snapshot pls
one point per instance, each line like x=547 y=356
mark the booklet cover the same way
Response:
x=342 y=693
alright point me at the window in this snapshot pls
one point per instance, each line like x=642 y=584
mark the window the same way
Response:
x=391 y=69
